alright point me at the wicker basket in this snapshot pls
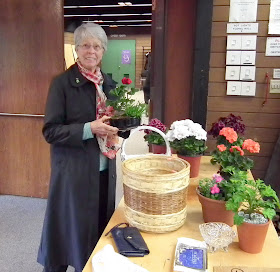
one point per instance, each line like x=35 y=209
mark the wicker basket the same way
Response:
x=155 y=190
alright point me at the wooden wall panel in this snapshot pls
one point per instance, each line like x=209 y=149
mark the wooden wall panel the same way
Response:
x=31 y=54
x=143 y=44
x=30 y=50
x=227 y=2
x=25 y=160
x=262 y=121
x=221 y=13
x=219 y=89
x=255 y=119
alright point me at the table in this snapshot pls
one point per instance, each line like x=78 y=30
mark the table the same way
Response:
x=162 y=246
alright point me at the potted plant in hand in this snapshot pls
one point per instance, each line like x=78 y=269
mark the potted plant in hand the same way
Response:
x=213 y=194
x=188 y=139
x=254 y=206
x=154 y=139
x=127 y=112
x=229 y=153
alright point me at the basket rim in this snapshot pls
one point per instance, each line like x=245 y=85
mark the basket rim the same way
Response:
x=187 y=168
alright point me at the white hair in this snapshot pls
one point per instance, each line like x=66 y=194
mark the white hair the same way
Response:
x=90 y=30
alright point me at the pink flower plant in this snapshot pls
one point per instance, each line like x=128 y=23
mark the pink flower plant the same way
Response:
x=215 y=189
x=217 y=178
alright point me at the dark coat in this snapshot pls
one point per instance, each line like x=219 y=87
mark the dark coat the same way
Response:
x=70 y=229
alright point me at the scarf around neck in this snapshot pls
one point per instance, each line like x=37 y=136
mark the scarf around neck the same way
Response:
x=107 y=146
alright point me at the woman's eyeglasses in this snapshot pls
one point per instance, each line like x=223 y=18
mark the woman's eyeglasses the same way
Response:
x=86 y=46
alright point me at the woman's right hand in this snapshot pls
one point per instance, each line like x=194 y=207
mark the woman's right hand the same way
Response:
x=99 y=128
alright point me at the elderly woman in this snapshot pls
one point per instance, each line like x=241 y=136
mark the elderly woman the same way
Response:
x=82 y=186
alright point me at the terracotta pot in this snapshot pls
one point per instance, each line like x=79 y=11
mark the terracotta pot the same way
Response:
x=215 y=210
x=194 y=162
x=158 y=149
x=252 y=236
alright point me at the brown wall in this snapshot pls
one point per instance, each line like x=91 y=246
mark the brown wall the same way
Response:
x=262 y=122
x=31 y=53
x=180 y=40
x=142 y=40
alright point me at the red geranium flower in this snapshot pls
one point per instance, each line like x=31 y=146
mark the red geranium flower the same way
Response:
x=126 y=81
x=221 y=147
x=251 y=146
x=229 y=133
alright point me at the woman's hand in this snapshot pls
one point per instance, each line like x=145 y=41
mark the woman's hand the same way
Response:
x=99 y=128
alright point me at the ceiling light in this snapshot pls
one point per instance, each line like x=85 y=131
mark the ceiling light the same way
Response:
x=119 y=21
x=121 y=3
x=128 y=3
x=111 y=15
x=126 y=25
x=108 y=6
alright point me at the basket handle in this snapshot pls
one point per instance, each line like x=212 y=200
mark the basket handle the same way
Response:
x=124 y=156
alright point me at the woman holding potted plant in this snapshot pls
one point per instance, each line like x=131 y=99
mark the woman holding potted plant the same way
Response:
x=254 y=206
x=83 y=149
x=188 y=139
x=155 y=140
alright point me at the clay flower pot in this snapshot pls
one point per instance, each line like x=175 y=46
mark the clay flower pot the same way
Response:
x=194 y=162
x=158 y=149
x=215 y=210
x=252 y=236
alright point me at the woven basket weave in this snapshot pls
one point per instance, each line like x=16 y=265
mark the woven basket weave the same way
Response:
x=155 y=189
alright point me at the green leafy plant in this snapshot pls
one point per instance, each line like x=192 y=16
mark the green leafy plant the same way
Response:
x=123 y=103
x=187 y=138
x=189 y=146
x=253 y=197
x=153 y=137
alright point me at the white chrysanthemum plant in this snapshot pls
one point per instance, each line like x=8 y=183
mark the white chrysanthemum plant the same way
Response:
x=187 y=138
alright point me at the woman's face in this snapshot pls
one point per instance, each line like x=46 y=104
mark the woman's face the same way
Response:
x=90 y=53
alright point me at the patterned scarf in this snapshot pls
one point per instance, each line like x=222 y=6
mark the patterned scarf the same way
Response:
x=107 y=145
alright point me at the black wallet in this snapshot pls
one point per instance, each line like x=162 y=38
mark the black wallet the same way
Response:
x=129 y=241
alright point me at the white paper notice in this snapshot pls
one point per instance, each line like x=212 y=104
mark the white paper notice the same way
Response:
x=243 y=10
x=274 y=17
x=272 y=46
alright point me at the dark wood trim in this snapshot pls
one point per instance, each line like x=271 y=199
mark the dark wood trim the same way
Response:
x=201 y=61
x=158 y=60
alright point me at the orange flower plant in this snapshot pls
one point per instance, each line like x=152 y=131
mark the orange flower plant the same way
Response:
x=230 y=152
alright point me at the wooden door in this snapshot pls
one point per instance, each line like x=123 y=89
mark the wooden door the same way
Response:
x=31 y=54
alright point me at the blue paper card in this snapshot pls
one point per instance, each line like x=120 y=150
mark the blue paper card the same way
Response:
x=192 y=258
